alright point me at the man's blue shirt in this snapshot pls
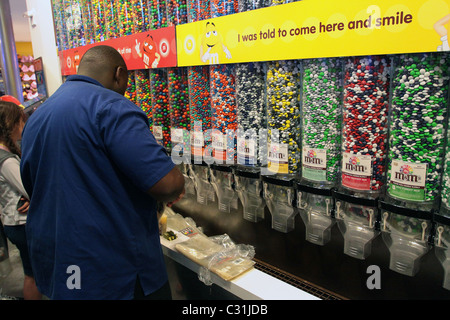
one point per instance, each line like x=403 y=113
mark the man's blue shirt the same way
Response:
x=88 y=159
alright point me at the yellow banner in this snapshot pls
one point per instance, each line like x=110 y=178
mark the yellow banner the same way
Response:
x=316 y=28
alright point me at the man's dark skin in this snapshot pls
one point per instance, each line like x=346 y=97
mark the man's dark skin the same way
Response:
x=106 y=65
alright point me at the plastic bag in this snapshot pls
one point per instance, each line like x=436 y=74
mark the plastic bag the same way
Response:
x=218 y=254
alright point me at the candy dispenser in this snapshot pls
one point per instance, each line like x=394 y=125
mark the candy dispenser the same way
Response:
x=279 y=195
x=445 y=195
x=99 y=18
x=316 y=207
x=223 y=90
x=321 y=137
x=283 y=117
x=251 y=114
x=140 y=15
x=406 y=233
x=180 y=124
x=189 y=185
x=248 y=5
x=111 y=8
x=283 y=138
x=157 y=14
x=248 y=186
x=417 y=128
x=160 y=107
x=176 y=12
x=251 y=136
x=200 y=174
x=60 y=25
x=223 y=113
x=125 y=17
x=88 y=21
x=79 y=38
x=442 y=245
x=198 y=10
x=357 y=219
x=222 y=180
x=223 y=7
x=143 y=98
x=130 y=93
x=364 y=148
x=365 y=118
x=200 y=112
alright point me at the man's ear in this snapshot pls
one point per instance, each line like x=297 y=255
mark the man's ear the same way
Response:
x=121 y=73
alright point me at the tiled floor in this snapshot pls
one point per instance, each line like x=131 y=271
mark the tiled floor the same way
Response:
x=11 y=287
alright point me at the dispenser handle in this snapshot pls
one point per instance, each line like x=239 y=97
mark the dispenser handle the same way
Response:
x=440 y=230
x=370 y=218
x=385 y=216
x=299 y=201
x=327 y=202
x=338 y=209
x=424 y=227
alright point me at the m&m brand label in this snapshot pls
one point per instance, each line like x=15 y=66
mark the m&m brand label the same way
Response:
x=278 y=158
x=158 y=132
x=246 y=151
x=407 y=180
x=314 y=164
x=356 y=171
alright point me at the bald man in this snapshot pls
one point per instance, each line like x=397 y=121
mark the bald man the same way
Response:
x=94 y=173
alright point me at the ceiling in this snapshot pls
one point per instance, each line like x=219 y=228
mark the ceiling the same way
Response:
x=21 y=25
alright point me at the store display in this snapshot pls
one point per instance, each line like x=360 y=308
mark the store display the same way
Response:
x=223 y=7
x=140 y=15
x=125 y=17
x=87 y=21
x=180 y=123
x=176 y=12
x=60 y=25
x=198 y=10
x=130 y=93
x=160 y=107
x=143 y=98
x=223 y=113
x=248 y=5
x=361 y=141
x=157 y=13
x=283 y=117
x=418 y=126
x=200 y=111
x=445 y=206
x=321 y=119
x=110 y=8
x=251 y=114
x=365 y=118
x=100 y=23
x=28 y=78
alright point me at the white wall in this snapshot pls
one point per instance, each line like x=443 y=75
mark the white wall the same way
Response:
x=43 y=42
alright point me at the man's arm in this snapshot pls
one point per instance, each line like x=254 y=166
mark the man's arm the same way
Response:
x=169 y=188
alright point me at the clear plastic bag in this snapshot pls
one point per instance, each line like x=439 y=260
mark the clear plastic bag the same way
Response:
x=219 y=255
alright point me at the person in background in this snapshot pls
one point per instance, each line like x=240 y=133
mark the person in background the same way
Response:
x=94 y=173
x=14 y=201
